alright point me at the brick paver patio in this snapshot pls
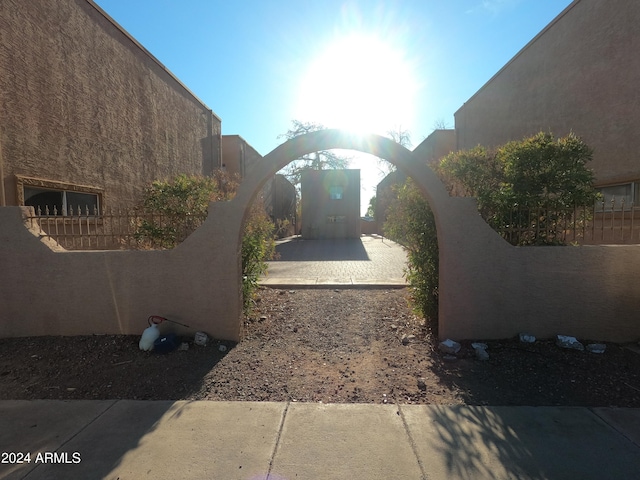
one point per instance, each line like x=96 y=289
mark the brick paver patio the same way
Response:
x=369 y=260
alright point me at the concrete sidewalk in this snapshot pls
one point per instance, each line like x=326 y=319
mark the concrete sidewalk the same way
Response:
x=368 y=261
x=130 y=440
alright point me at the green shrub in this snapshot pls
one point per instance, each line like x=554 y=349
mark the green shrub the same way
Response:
x=258 y=246
x=411 y=223
x=173 y=209
x=529 y=186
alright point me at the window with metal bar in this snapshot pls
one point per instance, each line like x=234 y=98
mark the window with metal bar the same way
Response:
x=617 y=197
x=60 y=202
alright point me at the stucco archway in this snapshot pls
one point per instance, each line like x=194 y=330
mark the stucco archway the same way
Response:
x=232 y=214
x=376 y=145
x=462 y=234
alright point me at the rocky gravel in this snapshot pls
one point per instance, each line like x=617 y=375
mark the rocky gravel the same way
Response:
x=332 y=346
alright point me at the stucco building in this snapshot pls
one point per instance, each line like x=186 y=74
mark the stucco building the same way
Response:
x=88 y=114
x=580 y=74
x=237 y=155
x=330 y=203
x=278 y=195
x=280 y=202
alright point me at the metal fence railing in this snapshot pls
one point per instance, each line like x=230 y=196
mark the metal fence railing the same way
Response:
x=122 y=229
x=610 y=223
x=81 y=229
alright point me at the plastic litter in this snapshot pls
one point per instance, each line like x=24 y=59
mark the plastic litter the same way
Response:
x=166 y=343
x=150 y=335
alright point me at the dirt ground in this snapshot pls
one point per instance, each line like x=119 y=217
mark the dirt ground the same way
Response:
x=332 y=346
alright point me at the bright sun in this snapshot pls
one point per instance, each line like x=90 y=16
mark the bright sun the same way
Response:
x=359 y=83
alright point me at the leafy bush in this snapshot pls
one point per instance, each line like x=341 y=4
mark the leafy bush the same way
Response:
x=529 y=186
x=173 y=209
x=177 y=207
x=411 y=223
x=258 y=246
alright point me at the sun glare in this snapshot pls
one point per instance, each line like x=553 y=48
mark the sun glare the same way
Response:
x=359 y=83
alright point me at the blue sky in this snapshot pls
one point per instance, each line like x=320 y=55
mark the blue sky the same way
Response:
x=371 y=65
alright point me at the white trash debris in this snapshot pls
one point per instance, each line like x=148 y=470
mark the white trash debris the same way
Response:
x=149 y=336
x=596 y=347
x=482 y=354
x=481 y=350
x=526 y=338
x=565 y=341
x=449 y=346
x=407 y=339
x=201 y=338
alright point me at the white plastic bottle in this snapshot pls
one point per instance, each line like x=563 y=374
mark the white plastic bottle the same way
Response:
x=149 y=336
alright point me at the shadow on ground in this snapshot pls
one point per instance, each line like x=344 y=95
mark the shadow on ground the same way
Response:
x=301 y=250
x=541 y=374
x=469 y=442
x=102 y=367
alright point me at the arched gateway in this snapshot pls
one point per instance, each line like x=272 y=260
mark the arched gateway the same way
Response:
x=225 y=222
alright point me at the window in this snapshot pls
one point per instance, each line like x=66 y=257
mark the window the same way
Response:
x=57 y=198
x=615 y=196
x=60 y=202
x=335 y=192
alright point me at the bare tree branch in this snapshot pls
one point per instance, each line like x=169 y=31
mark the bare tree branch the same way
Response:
x=322 y=160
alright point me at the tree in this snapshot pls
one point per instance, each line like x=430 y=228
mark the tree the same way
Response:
x=371 y=209
x=401 y=136
x=398 y=135
x=322 y=160
x=529 y=186
x=441 y=124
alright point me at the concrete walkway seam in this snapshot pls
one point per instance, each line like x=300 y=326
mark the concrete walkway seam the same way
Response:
x=412 y=442
x=613 y=427
x=277 y=443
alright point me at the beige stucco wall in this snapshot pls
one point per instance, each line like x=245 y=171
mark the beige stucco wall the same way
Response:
x=237 y=155
x=83 y=103
x=439 y=143
x=46 y=292
x=579 y=74
x=488 y=288
x=318 y=206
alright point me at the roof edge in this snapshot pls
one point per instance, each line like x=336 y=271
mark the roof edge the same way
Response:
x=521 y=51
x=150 y=55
